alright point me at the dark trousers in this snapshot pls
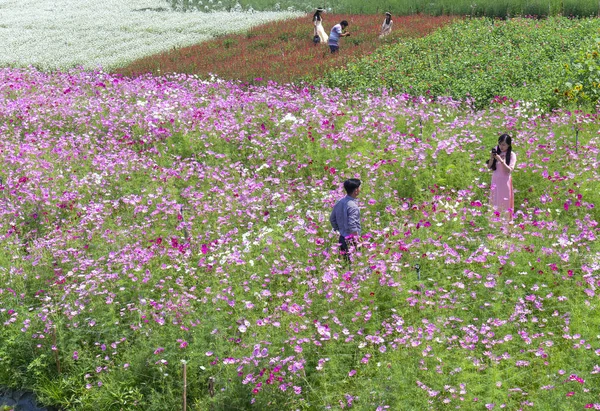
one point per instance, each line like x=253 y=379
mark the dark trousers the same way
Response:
x=344 y=251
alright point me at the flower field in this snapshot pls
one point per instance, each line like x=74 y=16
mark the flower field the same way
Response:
x=152 y=221
x=282 y=51
x=62 y=34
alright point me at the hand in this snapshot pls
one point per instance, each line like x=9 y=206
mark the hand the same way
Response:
x=497 y=157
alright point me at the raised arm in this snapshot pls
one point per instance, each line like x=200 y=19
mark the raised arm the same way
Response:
x=513 y=162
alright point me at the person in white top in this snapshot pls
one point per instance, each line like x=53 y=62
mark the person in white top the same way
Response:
x=386 y=27
x=318 y=28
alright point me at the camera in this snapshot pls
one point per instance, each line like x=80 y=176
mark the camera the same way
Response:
x=494 y=151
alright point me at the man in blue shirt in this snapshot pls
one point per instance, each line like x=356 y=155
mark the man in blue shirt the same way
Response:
x=336 y=33
x=345 y=216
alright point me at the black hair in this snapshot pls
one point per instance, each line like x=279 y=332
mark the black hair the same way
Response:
x=317 y=15
x=388 y=18
x=504 y=138
x=344 y=23
x=351 y=184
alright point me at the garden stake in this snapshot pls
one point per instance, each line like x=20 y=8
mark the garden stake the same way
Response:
x=421 y=127
x=185 y=232
x=576 y=139
x=56 y=359
x=418 y=268
x=211 y=387
x=184 y=386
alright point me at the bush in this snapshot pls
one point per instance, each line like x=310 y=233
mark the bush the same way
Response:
x=479 y=59
x=583 y=75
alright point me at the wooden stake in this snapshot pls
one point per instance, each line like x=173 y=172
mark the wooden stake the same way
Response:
x=211 y=386
x=56 y=358
x=184 y=386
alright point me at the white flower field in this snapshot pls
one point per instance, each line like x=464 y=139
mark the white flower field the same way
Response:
x=60 y=34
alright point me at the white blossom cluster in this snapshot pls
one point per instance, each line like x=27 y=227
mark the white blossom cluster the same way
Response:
x=60 y=34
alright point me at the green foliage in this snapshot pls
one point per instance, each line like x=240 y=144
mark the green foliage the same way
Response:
x=227 y=43
x=481 y=59
x=583 y=75
x=490 y=8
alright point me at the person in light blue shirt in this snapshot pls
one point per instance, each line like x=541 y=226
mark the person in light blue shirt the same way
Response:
x=337 y=31
x=345 y=216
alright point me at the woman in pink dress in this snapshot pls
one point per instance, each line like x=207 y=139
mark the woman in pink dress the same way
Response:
x=502 y=161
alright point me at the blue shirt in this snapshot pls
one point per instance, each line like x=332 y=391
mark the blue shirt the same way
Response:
x=335 y=34
x=345 y=216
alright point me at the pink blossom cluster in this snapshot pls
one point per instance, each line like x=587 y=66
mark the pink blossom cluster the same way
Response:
x=190 y=216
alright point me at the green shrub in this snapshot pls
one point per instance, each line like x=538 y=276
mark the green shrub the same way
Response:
x=583 y=75
x=481 y=59
x=490 y=8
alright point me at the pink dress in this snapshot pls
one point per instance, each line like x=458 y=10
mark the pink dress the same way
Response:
x=502 y=197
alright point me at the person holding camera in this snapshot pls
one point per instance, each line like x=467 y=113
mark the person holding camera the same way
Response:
x=502 y=162
x=337 y=31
